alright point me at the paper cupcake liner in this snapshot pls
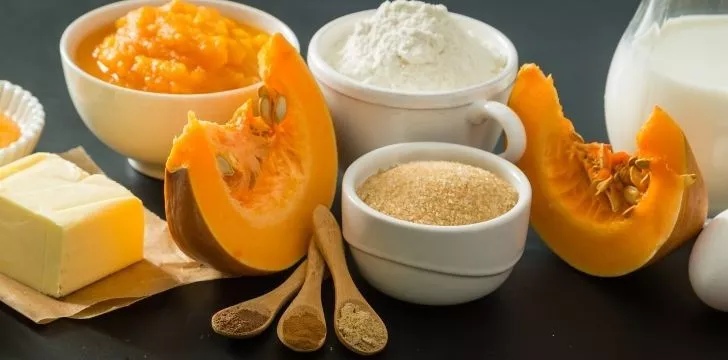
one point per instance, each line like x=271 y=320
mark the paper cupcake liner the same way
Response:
x=21 y=107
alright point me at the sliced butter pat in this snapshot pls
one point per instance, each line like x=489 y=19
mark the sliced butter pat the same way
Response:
x=61 y=228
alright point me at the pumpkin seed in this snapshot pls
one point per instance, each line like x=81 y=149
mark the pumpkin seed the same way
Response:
x=280 y=109
x=628 y=211
x=689 y=179
x=645 y=182
x=635 y=176
x=623 y=174
x=225 y=168
x=643 y=164
x=604 y=185
x=632 y=195
x=631 y=161
x=264 y=104
x=263 y=91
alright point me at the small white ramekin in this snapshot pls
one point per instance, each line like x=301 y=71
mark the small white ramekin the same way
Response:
x=428 y=264
x=21 y=107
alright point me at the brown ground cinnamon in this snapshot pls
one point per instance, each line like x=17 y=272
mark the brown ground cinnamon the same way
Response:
x=303 y=330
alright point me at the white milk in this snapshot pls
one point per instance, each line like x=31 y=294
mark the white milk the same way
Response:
x=682 y=67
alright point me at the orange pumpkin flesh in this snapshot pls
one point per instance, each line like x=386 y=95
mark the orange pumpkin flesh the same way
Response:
x=239 y=196
x=585 y=228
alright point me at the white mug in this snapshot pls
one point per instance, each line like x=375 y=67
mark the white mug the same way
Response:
x=368 y=117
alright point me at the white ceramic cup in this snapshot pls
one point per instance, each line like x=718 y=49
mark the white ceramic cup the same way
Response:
x=368 y=117
x=138 y=124
x=429 y=264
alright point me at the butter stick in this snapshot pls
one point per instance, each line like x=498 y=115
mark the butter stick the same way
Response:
x=61 y=228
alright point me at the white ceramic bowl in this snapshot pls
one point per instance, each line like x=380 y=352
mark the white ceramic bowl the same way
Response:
x=141 y=125
x=427 y=264
x=368 y=117
x=25 y=110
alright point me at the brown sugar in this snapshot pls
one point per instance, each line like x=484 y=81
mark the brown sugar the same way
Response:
x=303 y=330
x=360 y=328
x=242 y=321
x=438 y=193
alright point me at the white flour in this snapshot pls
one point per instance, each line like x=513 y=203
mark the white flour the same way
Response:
x=415 y=46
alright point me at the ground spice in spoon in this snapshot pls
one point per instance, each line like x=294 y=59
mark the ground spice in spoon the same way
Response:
x=360 y=328
x=242 y=321
x=303 y=330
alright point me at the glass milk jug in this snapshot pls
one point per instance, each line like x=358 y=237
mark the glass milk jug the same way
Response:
x=674 y=54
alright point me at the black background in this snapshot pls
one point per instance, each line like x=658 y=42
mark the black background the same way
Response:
x=544 y=310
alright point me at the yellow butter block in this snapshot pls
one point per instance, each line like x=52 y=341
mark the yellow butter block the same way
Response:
x=61 y=228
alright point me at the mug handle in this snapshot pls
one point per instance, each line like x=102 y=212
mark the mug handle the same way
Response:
x=515 y=133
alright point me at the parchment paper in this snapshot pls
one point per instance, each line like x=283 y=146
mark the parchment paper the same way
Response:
x=164 y=267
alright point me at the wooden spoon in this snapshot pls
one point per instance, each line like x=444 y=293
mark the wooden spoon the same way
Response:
x=348 y=297
x=252 y=317
x=302 y=326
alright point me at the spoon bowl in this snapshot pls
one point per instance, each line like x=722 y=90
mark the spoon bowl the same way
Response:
x=260 y=315
x=305 y=315
x=300 y=342
x=261 y=310
x=362 y=306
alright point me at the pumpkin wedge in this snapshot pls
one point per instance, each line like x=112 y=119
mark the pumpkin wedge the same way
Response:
x=606 y=213
x=239 y=196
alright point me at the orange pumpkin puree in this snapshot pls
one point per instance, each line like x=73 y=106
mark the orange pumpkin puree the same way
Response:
x=177 y=48
x=9 y=131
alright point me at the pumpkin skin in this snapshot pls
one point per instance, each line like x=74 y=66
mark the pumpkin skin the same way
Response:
x=579 y=225
x=250 y=213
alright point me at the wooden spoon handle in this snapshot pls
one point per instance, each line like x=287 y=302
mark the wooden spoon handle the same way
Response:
x=328 y=238
x=287 y=289
x=314 y=272
x=308 y=301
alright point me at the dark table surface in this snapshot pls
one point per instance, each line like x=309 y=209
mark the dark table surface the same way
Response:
x=544 y=310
